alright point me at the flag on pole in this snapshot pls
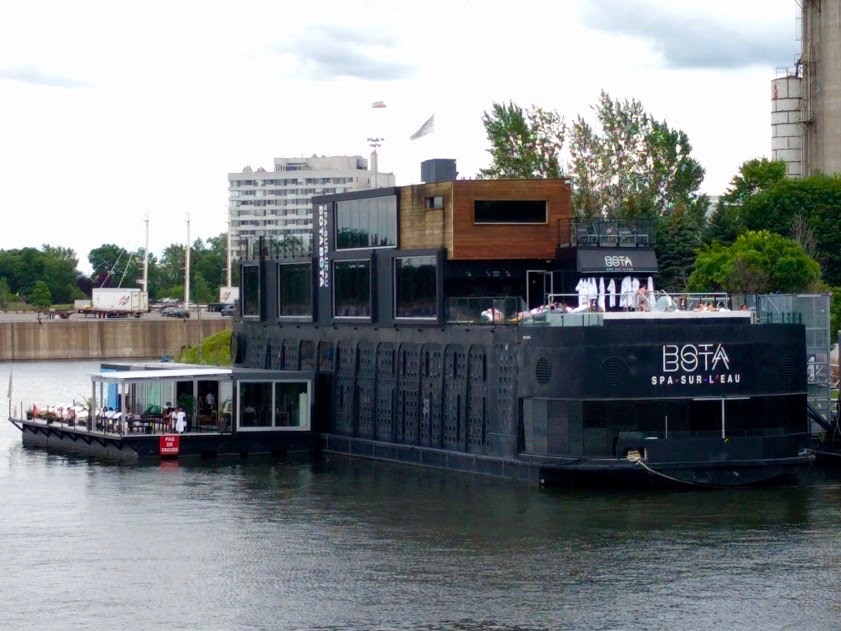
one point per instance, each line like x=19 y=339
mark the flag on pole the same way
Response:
x=427 y=128
x=378 y=105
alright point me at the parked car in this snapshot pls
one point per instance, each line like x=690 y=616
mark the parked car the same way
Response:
x=175 y=312
x=228 y=310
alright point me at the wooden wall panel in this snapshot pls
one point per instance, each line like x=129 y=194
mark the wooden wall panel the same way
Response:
x=509 y=241
x=421 y=228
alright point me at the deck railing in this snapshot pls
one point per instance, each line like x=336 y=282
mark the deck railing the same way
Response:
x=291 y=247
x=630 y=233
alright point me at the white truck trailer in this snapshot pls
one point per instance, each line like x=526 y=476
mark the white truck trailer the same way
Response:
x=117 y=303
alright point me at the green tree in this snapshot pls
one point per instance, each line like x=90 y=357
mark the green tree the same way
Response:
x=631 y=164
x=677 y=243
x=725 y=224
x=4 y=292
x=758 y=262
x=200 y=292
x=754 y=176
x=61 y=273
x=40 y=298
x=525 y=143
x=782 y=207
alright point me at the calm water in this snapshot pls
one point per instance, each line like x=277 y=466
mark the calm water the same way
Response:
x=356 y=545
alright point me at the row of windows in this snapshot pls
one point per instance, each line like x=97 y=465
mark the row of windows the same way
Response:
x=292 y=182
x=415 y=289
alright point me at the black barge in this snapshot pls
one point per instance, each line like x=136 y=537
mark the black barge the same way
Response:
x=456 y=325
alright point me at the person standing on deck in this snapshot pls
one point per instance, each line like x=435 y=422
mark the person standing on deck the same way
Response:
x=180 y=421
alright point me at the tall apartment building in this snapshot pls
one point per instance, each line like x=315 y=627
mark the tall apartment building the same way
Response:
x=275 y=203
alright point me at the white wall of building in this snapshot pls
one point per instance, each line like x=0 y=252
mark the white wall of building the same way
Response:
x=276 y=203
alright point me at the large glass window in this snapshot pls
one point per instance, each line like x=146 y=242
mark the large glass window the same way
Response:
x=274 y=404
x=509 y=211
x=291 y=405
x=366 y=223
x=255 y=404
x=250 y=290
x=352 y=289
x=294 y=290
x=415 y=287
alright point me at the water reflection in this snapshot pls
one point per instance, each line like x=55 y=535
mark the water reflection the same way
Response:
x=349 y=544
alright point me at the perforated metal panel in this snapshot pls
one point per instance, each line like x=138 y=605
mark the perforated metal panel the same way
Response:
x=408 y=390
x=365 y=389
x=477 y=423
x=455 y=397
x=506 y=370
x=256 y=350
x=432 y=367
x=290 y=354
x=385 y=391
x=275 y=354
x=345 y=379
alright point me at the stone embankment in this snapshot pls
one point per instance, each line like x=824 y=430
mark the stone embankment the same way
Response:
x=22 y=340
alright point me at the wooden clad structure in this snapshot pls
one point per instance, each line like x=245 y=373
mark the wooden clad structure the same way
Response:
x=453 y=225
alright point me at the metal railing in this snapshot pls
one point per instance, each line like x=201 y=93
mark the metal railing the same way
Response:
x=485 y=310
x=291 y=247
x=631 y=233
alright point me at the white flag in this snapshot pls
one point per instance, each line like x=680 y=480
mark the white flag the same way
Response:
x=9 y=394
x=427 y=128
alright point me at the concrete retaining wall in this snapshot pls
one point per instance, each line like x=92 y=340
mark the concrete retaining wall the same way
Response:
x=95 y=339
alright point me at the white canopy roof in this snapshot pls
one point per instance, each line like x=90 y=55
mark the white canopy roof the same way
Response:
x=180 y=374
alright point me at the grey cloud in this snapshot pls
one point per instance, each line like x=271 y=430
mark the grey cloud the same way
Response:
x=694 y=40
x=331 y=51
x=36 y=76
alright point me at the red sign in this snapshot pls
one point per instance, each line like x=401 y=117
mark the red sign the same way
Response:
x=170 y=445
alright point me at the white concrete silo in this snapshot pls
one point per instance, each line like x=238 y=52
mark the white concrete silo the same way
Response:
x=786 y=131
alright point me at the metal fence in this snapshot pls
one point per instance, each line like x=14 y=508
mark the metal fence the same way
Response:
x=814 y=312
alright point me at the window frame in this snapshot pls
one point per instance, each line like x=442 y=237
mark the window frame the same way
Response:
x=313 y=292
x=259 y=313
x=335 y=231
x=428 y=319
x=371 y=303
x=272 y=428
x=429 y=202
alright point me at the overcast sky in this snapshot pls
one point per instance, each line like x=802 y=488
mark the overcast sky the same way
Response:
x=109 y=110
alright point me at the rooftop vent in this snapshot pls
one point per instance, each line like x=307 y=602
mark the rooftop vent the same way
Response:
x=438 y=170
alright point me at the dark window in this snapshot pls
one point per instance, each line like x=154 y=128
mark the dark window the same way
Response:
x=434 y=202
x=415 y=287
x=294 y=290
x=250 y=290
x=498 y=211
x=352 y=289
x=255 y=404
x=366 y=223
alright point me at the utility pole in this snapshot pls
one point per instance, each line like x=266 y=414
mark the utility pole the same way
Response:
x=146 y=258
x=374 y=143
x=187 y=267
x=229 y=251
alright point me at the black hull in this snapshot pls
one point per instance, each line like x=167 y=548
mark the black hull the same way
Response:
x=139 y=448
x=611 y=473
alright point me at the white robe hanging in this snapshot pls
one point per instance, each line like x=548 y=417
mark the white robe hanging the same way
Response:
x=626 y=294
x=633 y=303
x=611 y=288
x=582 y=289
x=601 y=294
